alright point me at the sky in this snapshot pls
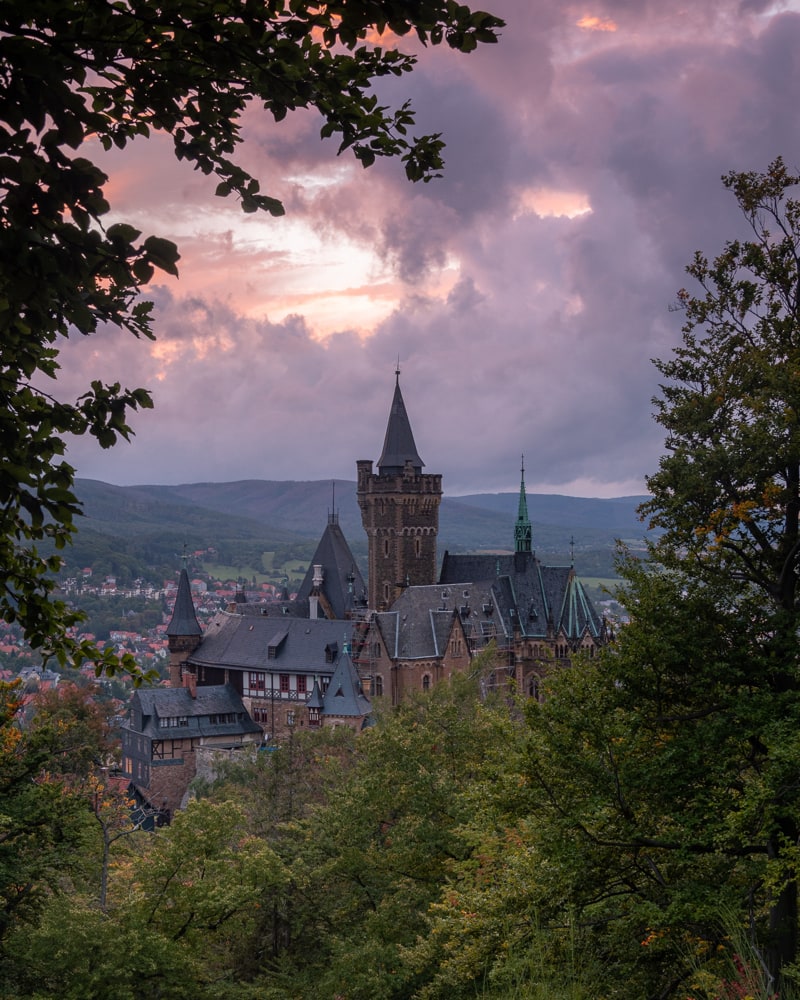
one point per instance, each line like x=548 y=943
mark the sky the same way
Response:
x=524 y=294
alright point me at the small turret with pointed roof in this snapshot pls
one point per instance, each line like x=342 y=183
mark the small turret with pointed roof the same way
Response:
x=399 y=510
x=183 y=632
x=523 y=533
x=345 y=698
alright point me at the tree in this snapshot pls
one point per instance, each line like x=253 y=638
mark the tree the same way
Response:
x=662 y=771
x=43 y=818
x=370 y=861
x=727 y=492
x=74 y=70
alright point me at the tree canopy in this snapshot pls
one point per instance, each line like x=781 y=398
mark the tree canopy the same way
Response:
x=77 y=72
x=727 y=492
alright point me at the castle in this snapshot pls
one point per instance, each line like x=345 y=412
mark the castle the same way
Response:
x=265 y=671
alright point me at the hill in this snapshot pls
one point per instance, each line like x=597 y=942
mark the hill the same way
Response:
x=150 y=524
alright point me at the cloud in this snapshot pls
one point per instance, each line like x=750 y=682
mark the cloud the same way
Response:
x=525 y=292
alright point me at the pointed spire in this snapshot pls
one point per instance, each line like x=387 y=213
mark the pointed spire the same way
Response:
x=184 y=620
x=398 y=445
x=523 y=533
x=345 y=695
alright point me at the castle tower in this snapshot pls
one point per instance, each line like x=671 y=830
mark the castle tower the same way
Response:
x=183 y=632
x=400 y=512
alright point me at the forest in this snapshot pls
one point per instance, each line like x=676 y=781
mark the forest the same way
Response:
x=635 y=833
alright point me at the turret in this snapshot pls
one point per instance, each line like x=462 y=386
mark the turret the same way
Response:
x=183 y=632
x=399 y=510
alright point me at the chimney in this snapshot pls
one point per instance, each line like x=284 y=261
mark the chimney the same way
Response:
x=190 y=683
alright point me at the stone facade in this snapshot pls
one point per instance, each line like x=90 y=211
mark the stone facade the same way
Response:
x=400 y=512
x=166 y=729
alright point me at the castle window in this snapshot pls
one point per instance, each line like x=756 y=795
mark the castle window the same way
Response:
x=417 y=547
x=386 y=547
x=290 y=718
x=426 y=682
x=257 y=683
x=313 y=717
x=386 y=591
x=301 y=683
x=377 y=684
x=284 y=682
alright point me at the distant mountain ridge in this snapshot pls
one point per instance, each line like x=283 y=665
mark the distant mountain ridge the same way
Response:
x=287 y=511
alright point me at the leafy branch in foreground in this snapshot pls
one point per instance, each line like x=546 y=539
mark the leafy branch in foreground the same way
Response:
x=77 y=72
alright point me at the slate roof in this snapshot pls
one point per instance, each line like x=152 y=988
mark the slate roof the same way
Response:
x=243 y=642
x=342 y=584
x=173 y=703
x=417 y=627
x=537 y=597
x=184 y=620
x=425 y=618
x=345 y=696
x=398 y=445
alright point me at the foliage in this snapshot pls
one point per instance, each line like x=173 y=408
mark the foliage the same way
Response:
x=665 y=772
x=371 y=860
x=728 y=491
x=205 y=882
x=42 y=818
x=74 y=73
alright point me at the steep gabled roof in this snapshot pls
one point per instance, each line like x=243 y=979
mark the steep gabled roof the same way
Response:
x=398 y=445
x=418 y=626
x=345 y=696
x=199 y=715
x=243 y=642
x=541 y=597
x=184 y=620
x=342 y=582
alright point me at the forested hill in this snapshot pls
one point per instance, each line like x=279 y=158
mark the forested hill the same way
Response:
x=293 y=514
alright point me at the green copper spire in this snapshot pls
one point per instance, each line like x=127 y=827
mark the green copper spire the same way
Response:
x=523 y=535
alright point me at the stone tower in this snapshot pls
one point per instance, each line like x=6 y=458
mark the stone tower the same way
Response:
x=183 y=632
x=400 y=512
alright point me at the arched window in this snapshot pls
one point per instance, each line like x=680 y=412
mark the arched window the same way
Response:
x=426 y=682
x=377 y=685
x=417 y=547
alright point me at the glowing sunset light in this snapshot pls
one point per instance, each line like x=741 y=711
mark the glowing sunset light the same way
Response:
x=550 y=202
x=590 y=23
x=526 y=290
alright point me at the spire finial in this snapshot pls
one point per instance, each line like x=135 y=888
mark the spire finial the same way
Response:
x=397 y=370
x=332 y=517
